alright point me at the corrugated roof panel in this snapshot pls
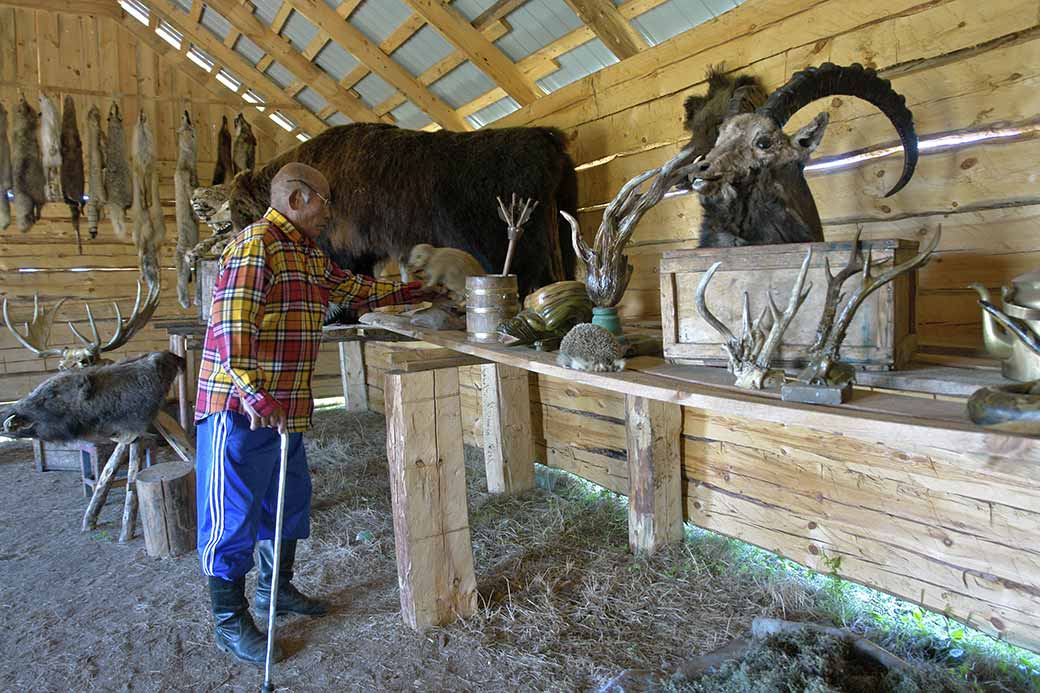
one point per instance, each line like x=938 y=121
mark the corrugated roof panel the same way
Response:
x=582 y=61
x=334 y=60
x=333 y=3
x=409 y=116
x=718 y=7
x=247 y=49
x=672 y=18
x=425 y=48
x=489 y=114
x=183 y=4
x=471 y=9
x=312 y=99
x=338 y=118
x=374 y=90
x=377 y=19
x=280 y=74
x=299 y=31
x=463 y=84
x=215 y=22
x=535 y=25
x=266 y=10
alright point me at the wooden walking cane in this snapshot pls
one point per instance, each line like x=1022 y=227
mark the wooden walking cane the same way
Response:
x=282 y=464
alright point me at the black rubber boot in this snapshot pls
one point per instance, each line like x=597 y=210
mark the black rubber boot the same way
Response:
x=236 y=633
x=290 y=599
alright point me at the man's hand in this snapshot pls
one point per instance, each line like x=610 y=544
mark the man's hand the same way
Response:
x=275 y=420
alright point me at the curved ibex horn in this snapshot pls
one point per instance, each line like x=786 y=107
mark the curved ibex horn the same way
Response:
x=853 y=80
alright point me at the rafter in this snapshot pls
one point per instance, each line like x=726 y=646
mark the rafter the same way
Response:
x=369 y=54
x=83 y=7
x=280 y=49
x=496 y=12
x=610 y=26
x=478 y=49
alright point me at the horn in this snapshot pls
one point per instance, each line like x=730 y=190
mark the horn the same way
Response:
x=853 y=80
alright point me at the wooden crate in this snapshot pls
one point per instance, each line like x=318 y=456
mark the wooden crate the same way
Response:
x=881 y=337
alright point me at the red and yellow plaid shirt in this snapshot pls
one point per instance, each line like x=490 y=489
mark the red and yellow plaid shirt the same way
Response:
x=264 y=331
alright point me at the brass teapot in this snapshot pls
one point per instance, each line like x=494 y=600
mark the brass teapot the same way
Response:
x=1019 y=320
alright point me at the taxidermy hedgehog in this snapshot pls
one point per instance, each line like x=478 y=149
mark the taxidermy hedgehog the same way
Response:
x=119 y=194
x=146 y=212
x=243 y=149
x=185 y=180
x=5 y=171
x=95 y=171
x=589 y=347
x=72 y=184
x=29 y=182
x=50 y=148
x=222 y=172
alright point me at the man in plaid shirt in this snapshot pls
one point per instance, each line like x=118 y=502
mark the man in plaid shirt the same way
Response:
x=262 y=341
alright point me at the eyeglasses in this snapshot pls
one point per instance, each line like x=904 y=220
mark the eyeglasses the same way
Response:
x=325 y=200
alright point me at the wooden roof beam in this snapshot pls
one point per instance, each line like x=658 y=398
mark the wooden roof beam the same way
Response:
x=97 y=8
x=241 y=17
x=610 y=26
x=496 y=12
x=478 y=49
x=351 y=39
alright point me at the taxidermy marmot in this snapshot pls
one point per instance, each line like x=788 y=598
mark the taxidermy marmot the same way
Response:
x=446 y=267
x=5 y=171
x=184 y=181
x=72 y=184
x=95 y=171
x=146 y=212
x=119 y=194
x=50 y=148
x=589 y=347
x=243 y=149
x=28 y=181
x=222 y=172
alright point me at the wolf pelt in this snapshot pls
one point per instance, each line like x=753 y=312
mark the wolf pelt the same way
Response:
x=95 y=171
x=119 y=194
x=223 y=171
x=5 y=171
x=146 y=211
x=243 y=149
x=72 y=183
x=29 y=182
x=50 y=147
x=185 y=180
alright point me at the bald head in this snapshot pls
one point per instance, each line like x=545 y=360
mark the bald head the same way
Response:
x=299 y=192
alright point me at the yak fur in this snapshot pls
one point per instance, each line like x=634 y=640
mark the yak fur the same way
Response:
x=5 y=171
x=30 y=185
x=119 y=193
x=243 y=149
x=185 y=180
x=146 y=211
x=117 y=401
x=72 y=183
x=225 y=165
x=393 y=189
x=50 y=147
x=95 y=171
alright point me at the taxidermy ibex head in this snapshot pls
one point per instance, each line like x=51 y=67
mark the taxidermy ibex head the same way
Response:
x=752 y=185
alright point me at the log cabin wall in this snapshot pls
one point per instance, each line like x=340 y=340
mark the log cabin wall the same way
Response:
x=98 y=59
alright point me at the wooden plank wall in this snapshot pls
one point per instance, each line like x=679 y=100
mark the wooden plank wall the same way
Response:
x=97 y=61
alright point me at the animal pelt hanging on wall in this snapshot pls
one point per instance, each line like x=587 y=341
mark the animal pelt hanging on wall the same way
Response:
x=119 y=194
x=72 y=184
x=225 y=164
x=243 y=149
x=5 y=171
x=95 y=171
x=146 y=211
x=185 y=180
x=50 y=147
x=29 y=183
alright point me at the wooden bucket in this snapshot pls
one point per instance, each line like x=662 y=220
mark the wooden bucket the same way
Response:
x=490 y=300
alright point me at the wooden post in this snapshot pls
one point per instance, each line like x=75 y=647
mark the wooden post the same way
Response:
x=352 y=372
x=508 y=442
x=178 y=345
x=102 y=486
x=130 y=501
x=191 y=378
x=653 y=430
x=167 y=494
x=428 y=491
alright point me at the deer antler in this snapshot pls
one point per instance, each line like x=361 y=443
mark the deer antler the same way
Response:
x=140 y=315
x=515 y=218
x=38 y=330
x=751 y=354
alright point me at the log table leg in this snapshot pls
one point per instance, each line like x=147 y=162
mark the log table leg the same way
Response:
x=428 y=491
x=352 y=372
x=506 y=415
x=178 y=345
x=130 y=501
x=653 y=430
x=102 y=486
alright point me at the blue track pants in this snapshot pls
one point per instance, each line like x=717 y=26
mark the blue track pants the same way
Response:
x=236 y=482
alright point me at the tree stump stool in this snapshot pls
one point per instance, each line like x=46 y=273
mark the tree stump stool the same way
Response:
x=167 y=499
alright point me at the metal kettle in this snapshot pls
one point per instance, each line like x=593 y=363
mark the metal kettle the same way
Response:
x=1021 y=307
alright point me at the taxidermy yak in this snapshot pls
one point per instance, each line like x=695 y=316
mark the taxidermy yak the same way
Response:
x=243 y=149
x=185 y=180
x=225 y=165
x=5 y=171
x=117 y=401
x=119 y=193
x=29 y=184
x=752 y=183
x=72 y=183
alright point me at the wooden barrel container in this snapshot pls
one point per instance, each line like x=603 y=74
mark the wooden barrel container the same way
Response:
x=167 y=493
x=490 y=300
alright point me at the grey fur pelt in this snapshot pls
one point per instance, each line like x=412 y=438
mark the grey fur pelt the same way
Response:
x=5 y=171
x=146 y=210
x=243 y=149
x=29 y=183
x=95 y=171
x=72 y=183
x=185 y=180
x=119 y=194
x=115 y=401
x=50 y=147
x=223 y=171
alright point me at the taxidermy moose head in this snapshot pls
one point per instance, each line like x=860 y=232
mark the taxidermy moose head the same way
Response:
x=751 y=183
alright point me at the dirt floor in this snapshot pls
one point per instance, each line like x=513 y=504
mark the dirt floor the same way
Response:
x=563 y=606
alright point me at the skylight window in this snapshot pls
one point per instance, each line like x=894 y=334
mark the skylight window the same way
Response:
x=136 y=10
x=282 y=121
x=302 y=136
x=168 y=34
x=200 y=59
x=225 y=78
x=251 y=96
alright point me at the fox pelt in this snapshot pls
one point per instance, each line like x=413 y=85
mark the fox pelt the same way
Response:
x=224 y=170
x=5 y=171
x=50 y=147
x=146 y=211
x=29 y=182
x=72 y=184
x=243 y=149
x=185 y=180
x=95 y=171
x=119 y=194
